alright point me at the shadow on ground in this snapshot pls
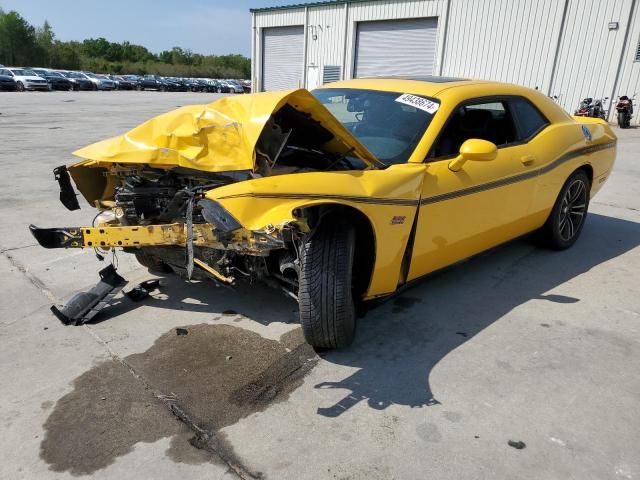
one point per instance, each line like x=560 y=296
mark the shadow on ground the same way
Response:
x=219 y=374
x=208 y=297
x=398 y=344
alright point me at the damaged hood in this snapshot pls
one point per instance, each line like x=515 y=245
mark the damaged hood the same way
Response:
x=217 y=137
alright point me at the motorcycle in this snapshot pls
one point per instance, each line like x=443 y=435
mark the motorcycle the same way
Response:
x=624 y=107
x=589 y=108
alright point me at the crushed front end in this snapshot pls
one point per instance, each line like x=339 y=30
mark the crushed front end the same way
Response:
x=155 y=186
x=163 y=217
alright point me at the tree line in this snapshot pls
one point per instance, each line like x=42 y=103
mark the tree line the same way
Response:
x=22 y=44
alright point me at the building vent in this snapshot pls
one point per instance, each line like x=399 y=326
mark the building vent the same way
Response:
x=330 y=73
x=638 y=52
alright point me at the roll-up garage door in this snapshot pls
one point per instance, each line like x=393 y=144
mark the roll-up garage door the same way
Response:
x=282 y=57
x=396 y=47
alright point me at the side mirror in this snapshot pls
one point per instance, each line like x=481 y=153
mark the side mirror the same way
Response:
x=474 y=150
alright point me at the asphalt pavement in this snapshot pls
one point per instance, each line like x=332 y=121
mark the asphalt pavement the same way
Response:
x=521 y=363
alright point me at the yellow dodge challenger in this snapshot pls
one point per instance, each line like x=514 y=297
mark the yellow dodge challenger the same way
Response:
x=340 y=195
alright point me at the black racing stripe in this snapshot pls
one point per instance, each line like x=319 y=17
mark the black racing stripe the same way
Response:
x=517 y=178
x=302 y=196
x=438 y=198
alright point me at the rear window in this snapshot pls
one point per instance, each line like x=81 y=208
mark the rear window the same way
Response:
x=527 y=117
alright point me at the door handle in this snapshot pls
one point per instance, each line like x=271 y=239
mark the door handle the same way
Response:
x=527 y=160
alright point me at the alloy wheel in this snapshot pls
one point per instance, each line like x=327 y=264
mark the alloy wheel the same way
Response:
x=572 y=209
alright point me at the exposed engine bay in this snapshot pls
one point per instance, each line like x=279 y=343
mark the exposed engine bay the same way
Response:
x=138 y=195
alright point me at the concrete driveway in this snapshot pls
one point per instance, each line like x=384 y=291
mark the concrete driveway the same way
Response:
x=521 y=345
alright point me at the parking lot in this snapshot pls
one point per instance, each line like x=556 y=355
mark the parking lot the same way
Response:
x=520 y=347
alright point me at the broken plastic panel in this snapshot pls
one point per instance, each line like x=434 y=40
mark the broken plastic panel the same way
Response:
x=68 y=196
x=83 y=306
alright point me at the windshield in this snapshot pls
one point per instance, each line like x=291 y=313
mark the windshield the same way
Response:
x=387 y=123
x=24 y=73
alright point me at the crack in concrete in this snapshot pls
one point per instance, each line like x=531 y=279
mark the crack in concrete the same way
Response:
x=11 y=249
x=22 y=247
x=34 y=280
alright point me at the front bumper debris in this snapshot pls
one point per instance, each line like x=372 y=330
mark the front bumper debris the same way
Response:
x=68 y=196
x=204 y=234
x=83 y=306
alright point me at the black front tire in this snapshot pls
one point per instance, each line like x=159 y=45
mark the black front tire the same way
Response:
x=325 y=295
x=569 y=213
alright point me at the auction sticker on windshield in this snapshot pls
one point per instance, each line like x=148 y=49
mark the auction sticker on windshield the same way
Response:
x=418 y=102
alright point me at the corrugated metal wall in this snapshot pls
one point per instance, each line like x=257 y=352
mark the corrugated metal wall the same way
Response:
x=563 y=47
x=505 y=40
x=589 y=52
x=629 y=76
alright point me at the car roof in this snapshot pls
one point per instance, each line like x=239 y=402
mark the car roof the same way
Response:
x=428 y=86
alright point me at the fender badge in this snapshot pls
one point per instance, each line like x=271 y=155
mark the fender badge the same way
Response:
x=397 y=220
x=586 y=133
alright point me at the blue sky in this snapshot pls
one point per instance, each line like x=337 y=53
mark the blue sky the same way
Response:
x=209 y=27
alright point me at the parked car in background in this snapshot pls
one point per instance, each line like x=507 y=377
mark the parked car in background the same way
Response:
x=230 y=88
x=204 y=85
x=105 y=83
x=218 y=87
x=175 y=84
x=125 y=82
x=235 y=86
x=7 y=83
x=246 y=84
x=133 y=80
x=213 y=85
x=153 y=82
x=192 y=84
x=115 y=79
x=78 y=80
x=28 y=79
x=162 y=84
x=55 y=79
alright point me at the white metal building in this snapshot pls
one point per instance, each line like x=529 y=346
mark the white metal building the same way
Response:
x=569 y=49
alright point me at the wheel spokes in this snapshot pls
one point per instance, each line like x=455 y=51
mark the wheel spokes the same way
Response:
x=572 y=210
x=577 y=192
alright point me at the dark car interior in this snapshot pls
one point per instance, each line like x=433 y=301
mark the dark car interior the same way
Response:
x=488 y=121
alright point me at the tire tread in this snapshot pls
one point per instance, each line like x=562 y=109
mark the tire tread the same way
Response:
x=327 y=312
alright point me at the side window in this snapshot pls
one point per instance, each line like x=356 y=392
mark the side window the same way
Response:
x=489 y=120
x=527 y=117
